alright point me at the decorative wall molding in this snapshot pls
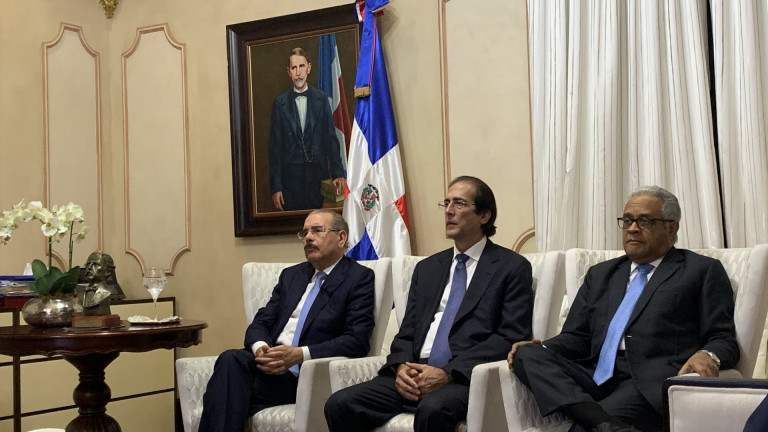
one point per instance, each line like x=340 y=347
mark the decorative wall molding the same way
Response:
x=477 y=70
x=523 y=238
x=73 y=136
x=157 y=195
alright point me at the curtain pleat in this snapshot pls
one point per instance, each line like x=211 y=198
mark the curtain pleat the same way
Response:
x=619 y=100
x=740 y=35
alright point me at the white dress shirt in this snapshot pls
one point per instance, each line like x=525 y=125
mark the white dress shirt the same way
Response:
x=473 y=253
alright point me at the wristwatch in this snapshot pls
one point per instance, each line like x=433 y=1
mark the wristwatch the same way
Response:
x=713 y=356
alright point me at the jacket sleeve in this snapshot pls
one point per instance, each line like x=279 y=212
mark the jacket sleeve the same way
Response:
x=716 y=311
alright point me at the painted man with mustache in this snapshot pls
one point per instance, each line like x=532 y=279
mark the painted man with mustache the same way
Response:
x=638 y=319
x=320 y=308
x=303 y=147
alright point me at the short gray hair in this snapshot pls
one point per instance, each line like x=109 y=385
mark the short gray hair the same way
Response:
x=670 y=207
x=337 y=221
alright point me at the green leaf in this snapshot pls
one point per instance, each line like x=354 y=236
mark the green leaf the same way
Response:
x=53 y=281
x=42 y=286
x=39 y=269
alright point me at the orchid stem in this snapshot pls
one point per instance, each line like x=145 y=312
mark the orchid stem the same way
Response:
x=50 y=253
x=71 y=227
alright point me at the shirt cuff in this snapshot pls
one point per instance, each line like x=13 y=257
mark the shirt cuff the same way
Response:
x=305 y=350
x=257 y=345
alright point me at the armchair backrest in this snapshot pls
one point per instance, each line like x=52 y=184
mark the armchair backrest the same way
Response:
x=402 y=271
x=260 y=278
x=578 y=261
x=548 y=270
x=747 y=269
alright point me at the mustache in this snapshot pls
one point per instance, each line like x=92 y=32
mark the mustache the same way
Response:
x=309 y=246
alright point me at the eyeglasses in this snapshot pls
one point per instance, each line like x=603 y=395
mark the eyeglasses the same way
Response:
x=643 y=222
x=458 y=204
x=316 y=230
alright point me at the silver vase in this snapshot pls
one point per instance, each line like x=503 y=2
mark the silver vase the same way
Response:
x=51 y=311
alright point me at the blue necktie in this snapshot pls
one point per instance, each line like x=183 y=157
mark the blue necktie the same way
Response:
x=303 y=314
x=604 y=369
x=440 y=354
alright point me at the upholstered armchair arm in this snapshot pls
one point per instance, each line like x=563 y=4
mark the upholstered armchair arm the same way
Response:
x=695 y=403
x=486 y=407
x=313 y=390
x=346 y=373
x=520 y=406
x=192 y=374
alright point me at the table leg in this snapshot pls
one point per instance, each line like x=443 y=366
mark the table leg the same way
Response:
x=92 y=394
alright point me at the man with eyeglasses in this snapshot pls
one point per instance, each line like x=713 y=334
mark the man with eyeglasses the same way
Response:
x=466 y=306
x=319 y=308
x=638 y=319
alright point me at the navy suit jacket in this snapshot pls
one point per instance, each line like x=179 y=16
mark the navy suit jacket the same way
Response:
x=319 y=137
x=686 y=306
x=495 y=313
x=340 y=320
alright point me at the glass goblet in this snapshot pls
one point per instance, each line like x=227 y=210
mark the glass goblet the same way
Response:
x=154 y=281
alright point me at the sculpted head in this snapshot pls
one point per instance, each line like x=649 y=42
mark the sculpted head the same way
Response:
x=98 y=267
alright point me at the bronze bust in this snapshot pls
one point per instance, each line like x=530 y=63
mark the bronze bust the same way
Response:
x=101 y=268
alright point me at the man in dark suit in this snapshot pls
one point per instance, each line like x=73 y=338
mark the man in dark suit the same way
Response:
x=443 y=336
x=656 y=312
x=303 y=147
x=319 y=308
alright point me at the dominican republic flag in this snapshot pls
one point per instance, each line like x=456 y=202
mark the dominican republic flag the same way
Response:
x=329 y=80
x=375 y=207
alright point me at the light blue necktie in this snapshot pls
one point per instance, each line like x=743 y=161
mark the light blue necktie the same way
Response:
x=440 y=354
x=311 y=296
x=604 y=369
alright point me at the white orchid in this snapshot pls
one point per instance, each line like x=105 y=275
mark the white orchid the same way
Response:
x=82 y=234
x=70 y=213
x=55 y=225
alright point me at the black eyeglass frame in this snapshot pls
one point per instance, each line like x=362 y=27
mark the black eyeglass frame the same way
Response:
x=643 y=222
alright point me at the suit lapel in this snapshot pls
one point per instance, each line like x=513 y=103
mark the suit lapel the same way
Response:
x=312 y=108
x=293 y=295
x=671 y=263
x=484 y=271
x=290 y=112
x=432 y=294
x=332 y=282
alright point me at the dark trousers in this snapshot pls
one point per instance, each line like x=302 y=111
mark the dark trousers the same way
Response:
x=237 y=390
x=368 y=405
x=557 y=382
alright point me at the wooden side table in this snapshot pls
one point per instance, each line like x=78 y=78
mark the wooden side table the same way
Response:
x=91 y=351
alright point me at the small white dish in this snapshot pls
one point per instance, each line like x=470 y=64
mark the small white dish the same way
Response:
x=145 y=320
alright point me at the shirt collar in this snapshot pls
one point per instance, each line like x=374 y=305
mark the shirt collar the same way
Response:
x=474 y=251
x=326 y=270
x=655 y=265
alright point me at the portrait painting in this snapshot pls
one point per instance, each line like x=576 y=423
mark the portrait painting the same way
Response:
x=292 y=103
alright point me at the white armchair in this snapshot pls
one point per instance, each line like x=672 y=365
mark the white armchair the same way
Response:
x=314 y=386
x=711 y=404
x=748 y=271
x=486 y=412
